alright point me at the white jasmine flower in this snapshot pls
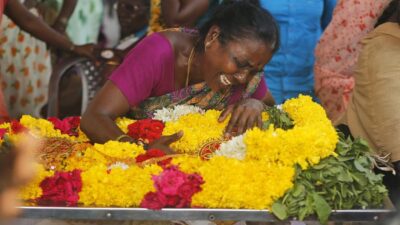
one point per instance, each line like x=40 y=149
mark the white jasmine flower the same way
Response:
x=173 y=114
x=119 y=165
x=234 y=148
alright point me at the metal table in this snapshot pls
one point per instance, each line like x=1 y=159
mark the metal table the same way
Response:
x=83 y=213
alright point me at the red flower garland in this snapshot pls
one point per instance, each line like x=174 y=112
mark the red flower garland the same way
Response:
x=153 y=153
x=67 y=125
x=146 y=130
x=62 y=189
x=174 y=189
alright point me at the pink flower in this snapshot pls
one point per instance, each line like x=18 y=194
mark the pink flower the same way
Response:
x=173 y=189
x=68 y=125
x=169 y=181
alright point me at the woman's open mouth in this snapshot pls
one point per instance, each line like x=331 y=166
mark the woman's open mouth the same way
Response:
x=224 y=80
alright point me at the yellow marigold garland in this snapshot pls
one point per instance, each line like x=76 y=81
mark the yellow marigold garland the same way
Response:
x=155 y=23
x=198 y=129
x=117 y=187
x=312 y=138
x=245 y=184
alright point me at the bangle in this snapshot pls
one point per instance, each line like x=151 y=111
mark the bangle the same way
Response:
x=122 y=136
x=143 y=144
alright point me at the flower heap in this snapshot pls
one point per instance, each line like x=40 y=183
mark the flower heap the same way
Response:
x=249 y=171
x=198 y=130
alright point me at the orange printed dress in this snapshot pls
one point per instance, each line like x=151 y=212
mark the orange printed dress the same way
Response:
x=337 y=52
x=25 y=70
x=3 y=109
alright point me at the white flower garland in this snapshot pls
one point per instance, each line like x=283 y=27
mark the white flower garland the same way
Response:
x=234 y=148
x=173 y=114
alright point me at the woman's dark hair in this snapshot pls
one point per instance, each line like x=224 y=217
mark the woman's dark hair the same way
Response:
x=392 y=9
x=242 y=19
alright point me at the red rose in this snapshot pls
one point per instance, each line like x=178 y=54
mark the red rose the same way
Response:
x=147 y=130
x=153 y=153
x=68 y=125
x=173 y=201
x=17 y=127
x=62 y=189
x=151 y=201
x=2 y=133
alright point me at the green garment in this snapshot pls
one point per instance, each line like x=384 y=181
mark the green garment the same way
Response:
x=84 y=23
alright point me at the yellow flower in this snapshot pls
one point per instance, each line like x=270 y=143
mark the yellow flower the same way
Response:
x=312 y=138
x=118 y=187
x=45 y=128
x=155 y=23
x=188 y=164
x=231 y=183
x=33 y=190
x=104 y=154
x=123 y=123
x=198 y=129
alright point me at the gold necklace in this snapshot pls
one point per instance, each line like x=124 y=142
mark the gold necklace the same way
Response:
x=188 y=67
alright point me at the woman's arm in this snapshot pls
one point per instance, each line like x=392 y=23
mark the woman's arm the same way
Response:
x=66 y=11
x=98 y=120
x=181 y=12
x=39 y=29
x=268 y=99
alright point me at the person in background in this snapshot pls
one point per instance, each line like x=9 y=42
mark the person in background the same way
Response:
x=290 y=72
x=219 y=67
x=3 y=108
x=179 y=13
x=79 y=19
x=373 y=111
x=24 y=62
x=133 y=18
x=337 y=52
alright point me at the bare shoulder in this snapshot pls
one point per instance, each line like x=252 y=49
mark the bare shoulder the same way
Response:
x=180 y=41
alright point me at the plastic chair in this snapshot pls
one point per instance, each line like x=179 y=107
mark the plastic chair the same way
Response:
x=89 y=74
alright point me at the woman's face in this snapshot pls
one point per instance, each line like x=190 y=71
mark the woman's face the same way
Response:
x=132 y=15
x=233 y=63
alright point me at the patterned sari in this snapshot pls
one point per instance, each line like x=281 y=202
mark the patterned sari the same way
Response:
x=198 y=95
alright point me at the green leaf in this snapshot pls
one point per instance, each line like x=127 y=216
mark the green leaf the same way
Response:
x=344 y=177
x=279 y=211
x=298 y=190
x=322 y=208
x=358 y=165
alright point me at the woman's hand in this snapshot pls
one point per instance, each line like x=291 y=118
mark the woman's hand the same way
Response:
x=164 y=141
x=245 y=115
x=85 y=51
